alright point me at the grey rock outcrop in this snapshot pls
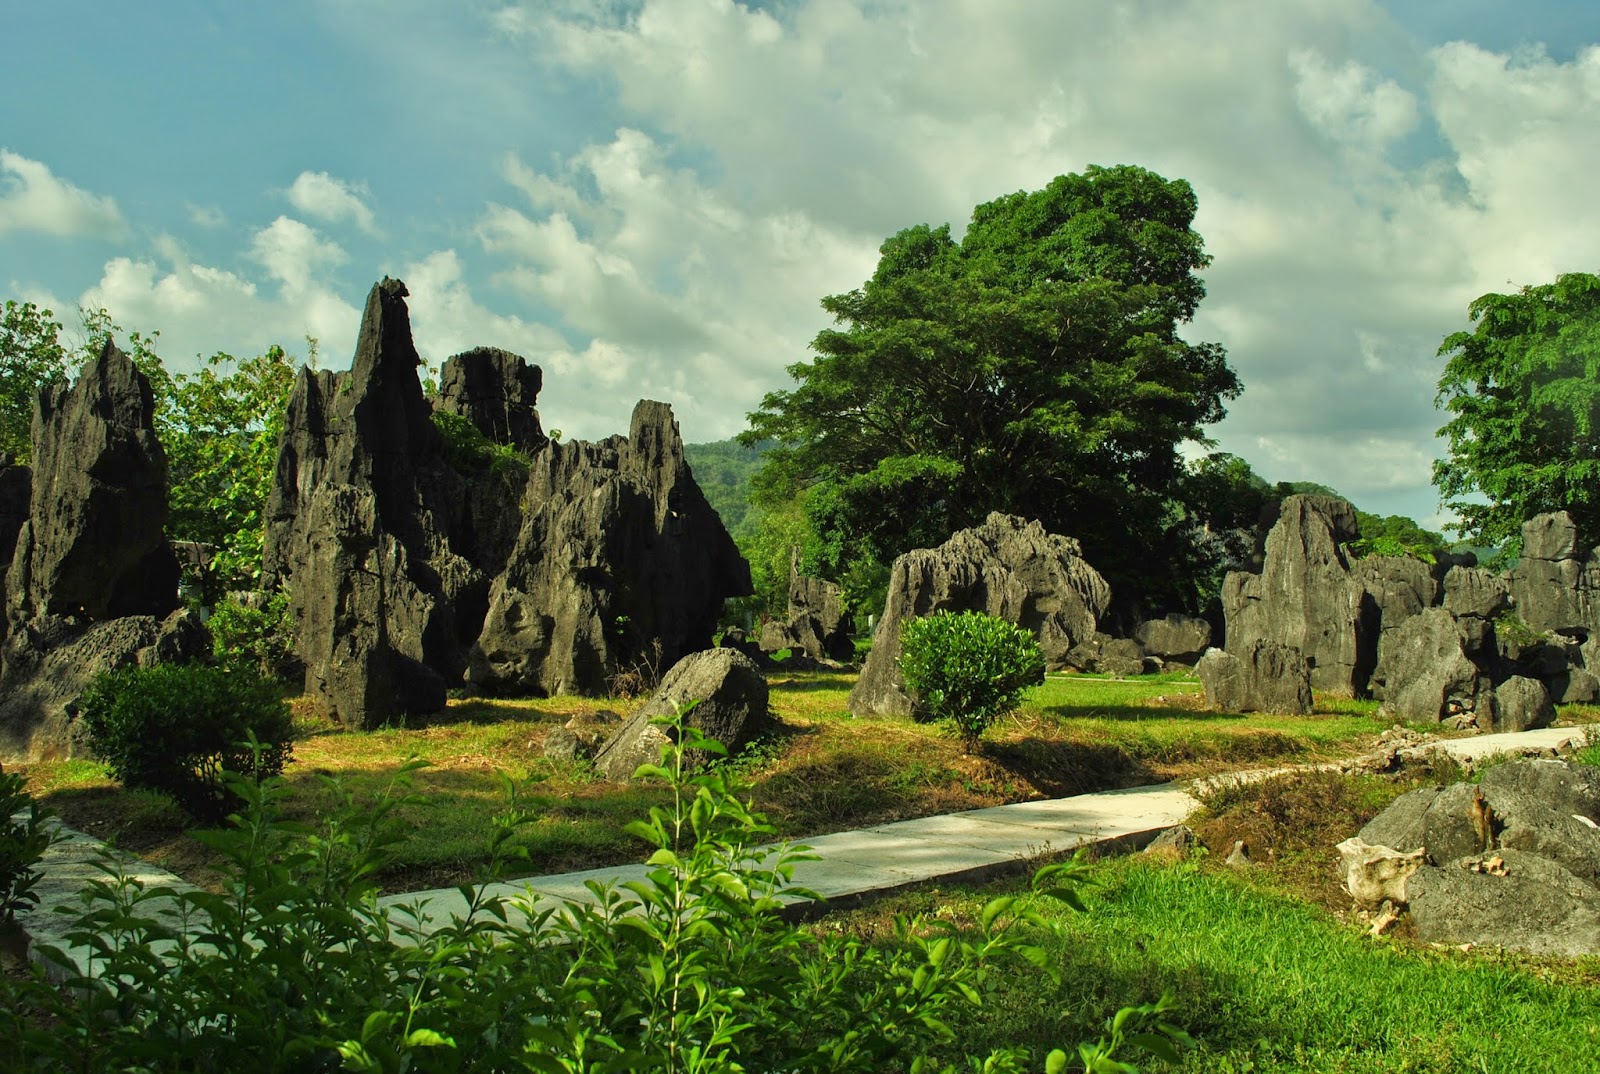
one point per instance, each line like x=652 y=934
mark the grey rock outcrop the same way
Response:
x=1006 y=567
x=498 y=392
x=1524 y=874
x=620 y=564
x=1266 y=677
x=16 y=495
x=730 y=705
x=92 y=579
x=359 y=527
x=1175 y=638
x=1431 y=673
x=1305 y=596
x=1522 y=704
x=1555 y=586
x=818 y=626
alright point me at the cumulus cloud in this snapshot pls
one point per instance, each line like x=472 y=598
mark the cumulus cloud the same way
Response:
x=332 y=201
x=1355 y=191
x=200 y=309
x=32 y=198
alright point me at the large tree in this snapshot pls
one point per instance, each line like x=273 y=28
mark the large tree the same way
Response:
x=1034 y=367
x=1524 y=389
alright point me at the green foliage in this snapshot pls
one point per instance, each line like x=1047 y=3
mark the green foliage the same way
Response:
x=221 y=433
x=968 y=668
x=470 y=451
x=690 y=968
x=1396 y=535
x=31 y=356
x=1034 y=367
x=723 y=469
x=254 y=639
x=23 y=841
x=1524 y=390
x=174 y=729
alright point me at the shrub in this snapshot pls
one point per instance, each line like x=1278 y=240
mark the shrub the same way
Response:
x=968 y=668
x=174 y=728
x=254 y=639
x=23 y=840
x=691 y=967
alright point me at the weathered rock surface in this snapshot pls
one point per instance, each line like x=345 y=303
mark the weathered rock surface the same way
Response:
x=1531 y=904
x=1374 y=875
x=1430 y=674
x=620 y=564
x=92 y=580
x=1522 y=704
x=1541 y=820
x=1266 y=677
x=1007 y=567
x=730 y=696
x=16 y=494
x=1305 y=596
x=498 y=392
x=359 y=528
x=94 y=546
x=818 y=626
x=1176 y=638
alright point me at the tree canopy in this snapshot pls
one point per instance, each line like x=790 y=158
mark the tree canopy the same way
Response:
x=1033 y=367
x=1523 y=387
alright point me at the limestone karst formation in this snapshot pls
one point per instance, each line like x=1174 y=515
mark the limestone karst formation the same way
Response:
x=92 y=582
x=1007 y=567
x=1436 y=641
x=551 y=568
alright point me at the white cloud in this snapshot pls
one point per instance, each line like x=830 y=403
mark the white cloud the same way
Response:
x=1356 y=192
x=201 y=309
x=294 y=254
x=32 y=198
x=332 y=201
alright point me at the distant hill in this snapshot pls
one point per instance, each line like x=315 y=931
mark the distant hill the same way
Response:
x=723 y=469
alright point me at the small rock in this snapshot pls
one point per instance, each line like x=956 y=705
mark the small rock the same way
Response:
x=1239 y=856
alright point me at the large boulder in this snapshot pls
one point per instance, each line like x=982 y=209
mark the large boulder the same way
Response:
x=92 y=580
x=360 y=526
x=621 y=566
x=1266 y=677
x=1555 y=585
x=1305 y=596
x=1430 y=674
x=1513 y=861
x=725 y=696
x=1396 y=589
x=1007 y=567
x=1176 y=637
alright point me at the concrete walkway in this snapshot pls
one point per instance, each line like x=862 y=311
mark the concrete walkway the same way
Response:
x=849 y=866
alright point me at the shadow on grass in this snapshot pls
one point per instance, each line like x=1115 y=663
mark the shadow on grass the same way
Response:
x=795 y=686
x=1135 y=713
x=1060 y=768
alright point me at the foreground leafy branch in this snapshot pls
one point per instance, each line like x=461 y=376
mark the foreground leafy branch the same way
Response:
x=296 y=966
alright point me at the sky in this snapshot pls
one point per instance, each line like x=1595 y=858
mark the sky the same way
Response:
x=649 y=198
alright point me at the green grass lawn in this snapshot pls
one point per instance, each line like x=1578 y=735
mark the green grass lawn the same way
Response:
x=1264 y=982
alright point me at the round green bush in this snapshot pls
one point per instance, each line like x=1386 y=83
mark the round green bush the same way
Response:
x=968 y=668
x=174 y=729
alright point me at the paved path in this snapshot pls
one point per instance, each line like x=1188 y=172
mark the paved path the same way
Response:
x=849 y=866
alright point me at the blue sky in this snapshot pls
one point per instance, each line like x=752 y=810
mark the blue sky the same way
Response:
x=649 y=198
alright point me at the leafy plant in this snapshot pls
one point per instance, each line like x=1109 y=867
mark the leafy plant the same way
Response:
x=295 y=965
x=968 y=668
x=258 y=639
x=175 y=728
x=23 y=841
x=468 y=450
